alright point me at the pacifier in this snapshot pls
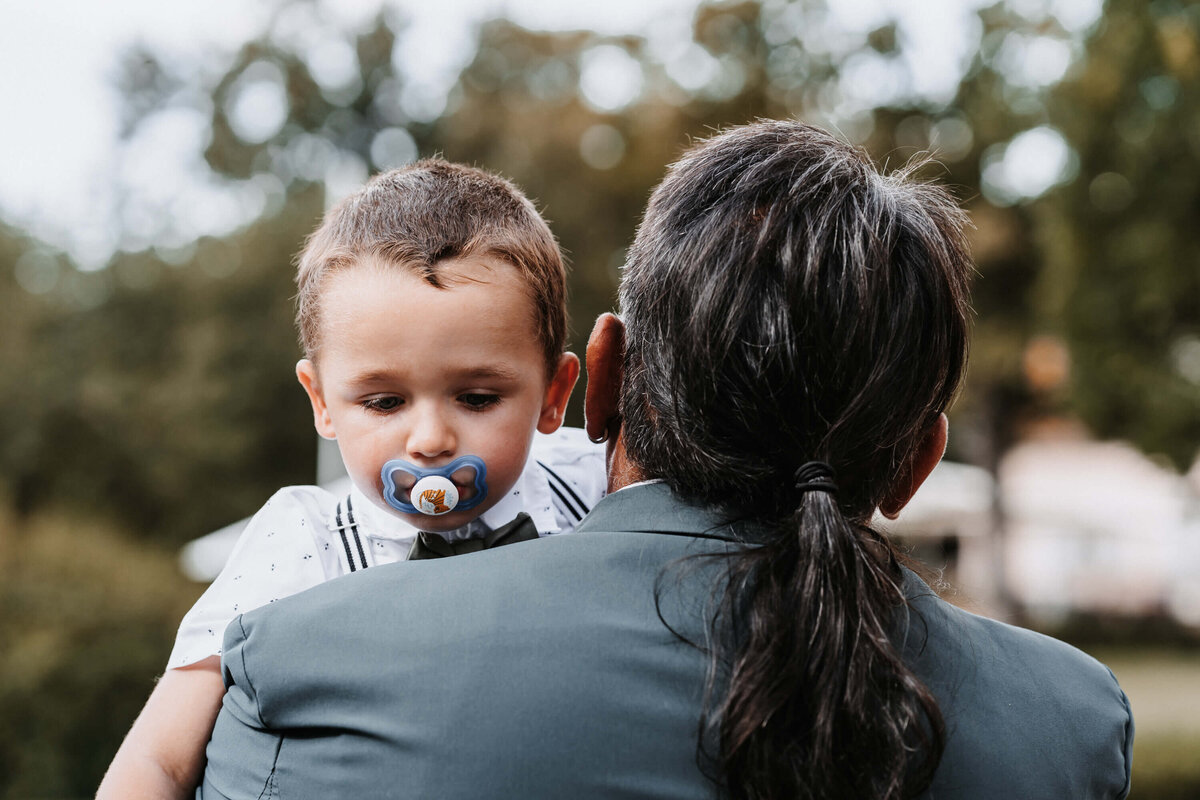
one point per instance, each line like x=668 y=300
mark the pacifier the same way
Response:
x=458 y=486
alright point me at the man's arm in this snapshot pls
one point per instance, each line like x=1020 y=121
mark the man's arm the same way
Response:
x=163 y=753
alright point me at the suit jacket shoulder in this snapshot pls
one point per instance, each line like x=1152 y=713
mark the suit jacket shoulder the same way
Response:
x=536 y=670
x=1026 y=715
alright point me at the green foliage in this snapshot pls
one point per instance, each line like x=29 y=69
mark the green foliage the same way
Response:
x=1163 y=686
x=170 y=407
x=1126 y=231
x=87 y=617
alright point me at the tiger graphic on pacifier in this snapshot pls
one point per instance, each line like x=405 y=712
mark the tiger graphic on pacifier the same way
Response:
x=433 y=501
x=458 y=486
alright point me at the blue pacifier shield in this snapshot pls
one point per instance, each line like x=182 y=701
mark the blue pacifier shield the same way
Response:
x=458 y=486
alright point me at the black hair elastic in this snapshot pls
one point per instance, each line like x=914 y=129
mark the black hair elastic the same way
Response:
x=815 y=476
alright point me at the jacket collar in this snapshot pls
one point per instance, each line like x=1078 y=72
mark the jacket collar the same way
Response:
x=655 y=508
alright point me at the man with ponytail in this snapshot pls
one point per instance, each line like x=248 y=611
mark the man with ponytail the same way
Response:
x=726 y=623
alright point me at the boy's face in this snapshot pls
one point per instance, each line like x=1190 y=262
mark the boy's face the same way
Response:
x=407 y=370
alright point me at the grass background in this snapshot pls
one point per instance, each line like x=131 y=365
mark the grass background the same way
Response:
x=1163 y=685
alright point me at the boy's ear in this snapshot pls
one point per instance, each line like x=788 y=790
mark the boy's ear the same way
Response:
x=920 y=463
x=306 y=373
x=558 y=392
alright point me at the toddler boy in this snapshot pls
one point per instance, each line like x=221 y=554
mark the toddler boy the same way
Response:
x=431 y=310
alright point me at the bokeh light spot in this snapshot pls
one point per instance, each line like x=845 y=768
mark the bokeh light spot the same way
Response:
x=1160 y=91
x=333 y=64
x=1033 y=61
x=344 y=174
x=1110 y=192
x=37 y=271
x=602 y=146
x=1185 y=355
x=951 y=138
x=257 y=105
x=393 y=147
x=609 y=78
x=1027 y=166
x=692 y=67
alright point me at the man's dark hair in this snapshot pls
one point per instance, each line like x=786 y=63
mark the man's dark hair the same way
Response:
x=784 y=302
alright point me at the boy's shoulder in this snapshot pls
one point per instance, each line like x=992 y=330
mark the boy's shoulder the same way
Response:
x=565 y=447
x=313 y=501
x=294 y=514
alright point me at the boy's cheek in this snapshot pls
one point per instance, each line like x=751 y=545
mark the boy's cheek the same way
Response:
x=364 y=467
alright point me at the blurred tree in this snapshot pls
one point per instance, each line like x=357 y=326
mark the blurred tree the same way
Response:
x=163 y=376
x=86 y=616
x=151 y=392
x=1124 y=234
x=160 y=391
x=27 y=271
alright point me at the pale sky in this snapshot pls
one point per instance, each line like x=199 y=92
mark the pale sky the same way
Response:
x=60 y=158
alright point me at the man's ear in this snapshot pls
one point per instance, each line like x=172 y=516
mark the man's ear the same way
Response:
x=920 y=463
x=306 y=373
x=605 y=373
x=558 y=392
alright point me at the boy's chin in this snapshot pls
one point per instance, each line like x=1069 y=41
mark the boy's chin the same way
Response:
x=442 y=522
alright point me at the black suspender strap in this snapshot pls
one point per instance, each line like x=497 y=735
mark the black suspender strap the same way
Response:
x=354 y=531
x=352 y=526
x=345 y=542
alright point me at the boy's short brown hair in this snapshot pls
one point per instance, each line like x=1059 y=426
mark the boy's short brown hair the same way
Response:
x=426 y=213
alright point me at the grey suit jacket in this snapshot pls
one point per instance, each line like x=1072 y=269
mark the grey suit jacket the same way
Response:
x=542 y=670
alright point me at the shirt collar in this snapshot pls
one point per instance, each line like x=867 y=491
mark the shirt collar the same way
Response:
x=646 y=482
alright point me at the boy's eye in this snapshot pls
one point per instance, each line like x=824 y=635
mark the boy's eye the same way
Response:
x=385 y=403
x=478 y=401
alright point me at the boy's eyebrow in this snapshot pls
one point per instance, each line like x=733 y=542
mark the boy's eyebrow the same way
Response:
x=372 y=376
x=494 y=371
x=489 y=372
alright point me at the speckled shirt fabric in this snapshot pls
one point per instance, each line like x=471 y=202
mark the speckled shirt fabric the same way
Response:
x=305 y=535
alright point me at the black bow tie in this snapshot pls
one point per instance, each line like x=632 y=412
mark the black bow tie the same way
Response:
x=431 y=545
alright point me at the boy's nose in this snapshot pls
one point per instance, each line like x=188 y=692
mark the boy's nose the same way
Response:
x=430 y=435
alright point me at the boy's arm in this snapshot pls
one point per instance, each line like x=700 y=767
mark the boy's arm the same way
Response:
x=163 y=753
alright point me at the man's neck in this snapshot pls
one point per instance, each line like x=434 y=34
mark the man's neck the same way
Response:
x=622 y=470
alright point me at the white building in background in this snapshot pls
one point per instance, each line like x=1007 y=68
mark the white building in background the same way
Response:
x=1099 y=526
x=1087 y=526
x=948 y=527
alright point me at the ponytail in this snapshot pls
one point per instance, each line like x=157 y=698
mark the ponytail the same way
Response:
x=818 y=702
x=783 y=297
